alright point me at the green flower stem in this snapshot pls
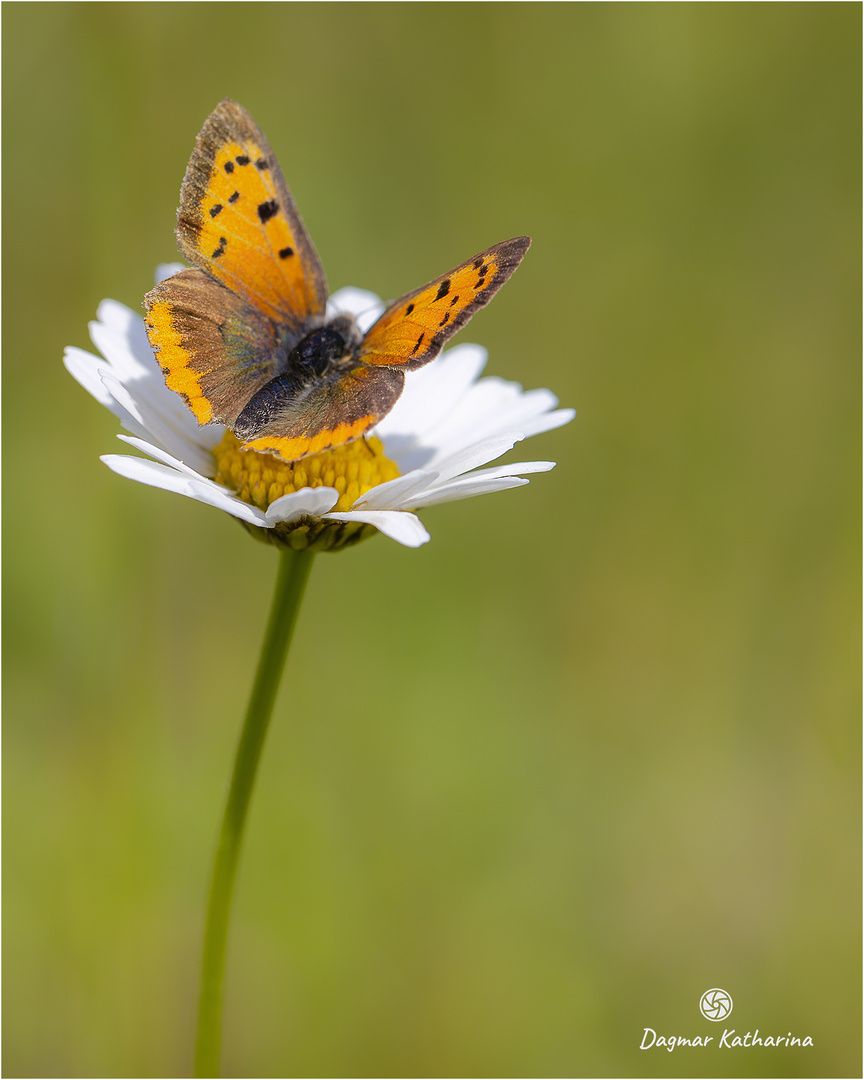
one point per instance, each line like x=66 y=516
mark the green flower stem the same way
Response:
x=294 y=569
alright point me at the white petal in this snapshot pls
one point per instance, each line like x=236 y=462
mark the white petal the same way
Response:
x=118 y=333
x=464 y=488
x=180 y=436
x=391 y=494
x=307 y=502
x=433 y=391
x=547 y=422
x=163 y=456
x=147 y=472
x=490 y=407
x=166 y=270
x=94 y=374
x=207 y=492
x=404 y=528
x=160 y=476
x=365 y=306
x=516 y=468
x=478 y=453
x=480 y=482
x=85 y=368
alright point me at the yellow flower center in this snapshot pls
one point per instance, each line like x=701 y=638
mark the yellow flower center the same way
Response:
x=260 y=479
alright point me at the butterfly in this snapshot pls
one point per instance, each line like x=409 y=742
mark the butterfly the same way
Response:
x=243 y=335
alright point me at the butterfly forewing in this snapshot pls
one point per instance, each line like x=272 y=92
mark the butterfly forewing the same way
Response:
x=412 y=331
x=238 y=221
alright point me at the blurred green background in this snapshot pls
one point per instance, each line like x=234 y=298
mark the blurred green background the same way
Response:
x=592 y=751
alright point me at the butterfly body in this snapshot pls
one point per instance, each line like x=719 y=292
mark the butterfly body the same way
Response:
x=243 y=335
x=321 y=358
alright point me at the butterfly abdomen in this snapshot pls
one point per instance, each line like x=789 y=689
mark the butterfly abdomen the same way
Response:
x=266 y=404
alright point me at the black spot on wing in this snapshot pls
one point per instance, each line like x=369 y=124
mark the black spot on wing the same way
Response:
x=286 y=253
x=445 y=320
x=233 y=198
x=409 y=309
x=242 y=159
x=223 y=242
x=229 y=166
x=261 y=164
x=443 y=289
x=419 y=343
x=214 y=210
x=267 y=210
x=455 y=298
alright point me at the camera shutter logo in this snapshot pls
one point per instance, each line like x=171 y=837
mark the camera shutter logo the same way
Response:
x=715 y=1004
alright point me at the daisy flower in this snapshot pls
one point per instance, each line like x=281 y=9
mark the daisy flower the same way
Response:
x=431 y=447
x=434 y=446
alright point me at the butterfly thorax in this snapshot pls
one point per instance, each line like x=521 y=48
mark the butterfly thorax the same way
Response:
x=325 y=349
x=317 y=352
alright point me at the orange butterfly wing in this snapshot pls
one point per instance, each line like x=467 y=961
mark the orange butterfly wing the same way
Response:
x=238 y=222
x=412 y=331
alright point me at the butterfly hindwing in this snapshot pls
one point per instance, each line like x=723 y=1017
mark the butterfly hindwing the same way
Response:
x=238 y=222
x=412 y=331
x=215 y=349
x=327 y=412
